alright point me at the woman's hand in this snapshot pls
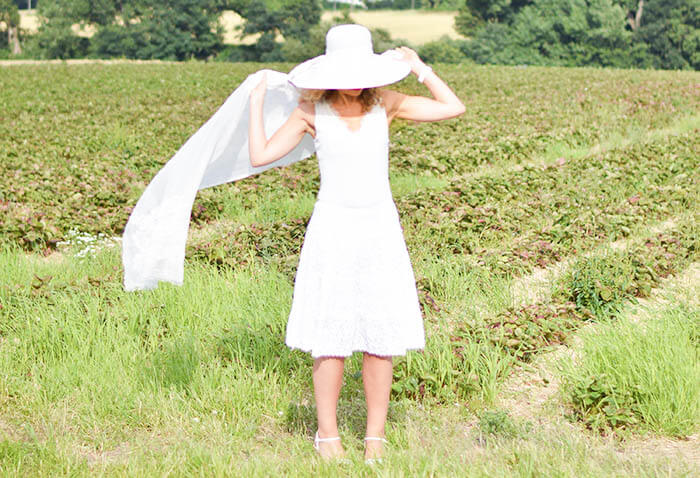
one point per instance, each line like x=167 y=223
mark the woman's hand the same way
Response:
x=257 y=94
x=444 y=104
x=412 y=58
x=261 y=150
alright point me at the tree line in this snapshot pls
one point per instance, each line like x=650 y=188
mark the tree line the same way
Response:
x=622 y=33
x=618 y=33
x=155 y=29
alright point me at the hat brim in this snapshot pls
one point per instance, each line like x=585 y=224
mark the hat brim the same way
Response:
x=341 y=72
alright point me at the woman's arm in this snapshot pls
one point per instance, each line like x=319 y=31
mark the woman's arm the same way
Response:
x=263 y=151
x=444 y=104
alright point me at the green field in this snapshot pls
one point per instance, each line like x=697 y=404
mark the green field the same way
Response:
x=553 y=229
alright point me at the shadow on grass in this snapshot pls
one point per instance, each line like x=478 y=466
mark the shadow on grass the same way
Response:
x=259 y=349
x=174 y=364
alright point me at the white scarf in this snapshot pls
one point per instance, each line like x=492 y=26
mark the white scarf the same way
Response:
x=153 y=245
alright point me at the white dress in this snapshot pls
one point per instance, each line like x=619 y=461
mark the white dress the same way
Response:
x=354 y=288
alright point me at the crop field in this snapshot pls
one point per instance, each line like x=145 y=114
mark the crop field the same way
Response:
x=553 y=229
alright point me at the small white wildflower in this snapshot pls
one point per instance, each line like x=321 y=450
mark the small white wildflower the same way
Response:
x=195 y=419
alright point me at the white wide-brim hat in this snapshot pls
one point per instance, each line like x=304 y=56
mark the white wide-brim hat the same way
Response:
x=349 y=63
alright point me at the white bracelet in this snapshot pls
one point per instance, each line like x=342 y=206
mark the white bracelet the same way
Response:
x=423 y=72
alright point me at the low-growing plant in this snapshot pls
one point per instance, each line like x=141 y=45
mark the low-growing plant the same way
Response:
x=498 y=422
x=599 y=284
x=206 y=363
x=530 y=329
x=90 y=177
x=602 y=406
x=540 y=212
x=174 y=364
x=665 y=253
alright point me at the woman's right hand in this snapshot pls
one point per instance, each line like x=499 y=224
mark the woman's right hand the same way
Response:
x=258 y=93
x=261 y=150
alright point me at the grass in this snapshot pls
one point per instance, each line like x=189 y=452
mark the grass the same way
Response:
x=196 y=380
x=643 y=373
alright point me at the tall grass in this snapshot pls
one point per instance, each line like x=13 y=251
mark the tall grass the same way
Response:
x=644 y=372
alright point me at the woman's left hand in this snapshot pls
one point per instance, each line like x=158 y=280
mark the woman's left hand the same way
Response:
x=411 y=57
x=444 y=104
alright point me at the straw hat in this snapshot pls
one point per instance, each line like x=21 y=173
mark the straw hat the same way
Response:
x=349 y=63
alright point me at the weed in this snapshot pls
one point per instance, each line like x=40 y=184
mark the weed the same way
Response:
x=599 y=284
x=498 y=424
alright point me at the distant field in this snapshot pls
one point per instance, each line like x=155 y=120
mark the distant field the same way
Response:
x=417 y=27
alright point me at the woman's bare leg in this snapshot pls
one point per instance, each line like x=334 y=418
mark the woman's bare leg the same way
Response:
x=377 y=374
x=328 y=378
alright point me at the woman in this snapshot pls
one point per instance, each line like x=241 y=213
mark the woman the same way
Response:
x=354 y=289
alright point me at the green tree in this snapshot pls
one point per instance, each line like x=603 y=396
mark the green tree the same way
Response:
x=25 y=3
x=671 y=31
x=9 y=15
x=293 y=19
x=635 y=11
x=166 y=29
x=169 y=30
x=55 y=38
x=475 y=13
x=444 y=50
x=442 y=4
x=290 y=18
x=467 y=21
x=560 y=32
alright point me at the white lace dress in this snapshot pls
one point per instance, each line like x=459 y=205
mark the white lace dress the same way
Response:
x=354 y=288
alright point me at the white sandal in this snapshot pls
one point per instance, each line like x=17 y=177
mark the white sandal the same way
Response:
x=342 y=460
x=318 y=440
x=372 y=461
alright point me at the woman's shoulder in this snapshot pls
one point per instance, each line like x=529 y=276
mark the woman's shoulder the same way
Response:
x=391 y=100
x=306 y=110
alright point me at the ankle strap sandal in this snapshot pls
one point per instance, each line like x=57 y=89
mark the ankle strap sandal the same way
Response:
x=383 y=440
x=374 y=461
x=318 y=440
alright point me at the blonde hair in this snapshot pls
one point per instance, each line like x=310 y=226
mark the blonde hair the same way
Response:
x=368 y=98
